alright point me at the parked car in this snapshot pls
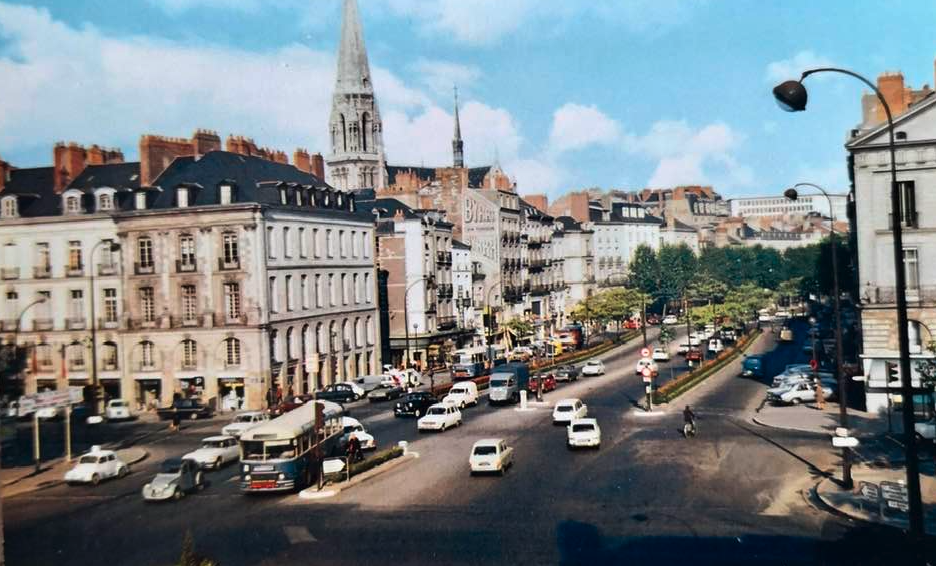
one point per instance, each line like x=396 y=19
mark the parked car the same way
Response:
x=548 y=379
x=799 y=392
x=340 y=393
x=646 y=363
x=176 y=478
x=368 y=383
x=215 y=452
x=683 y=349
x=696 y=338
x=716 y=346
x=567 y=410
x=670 y=319
x=926 y=430
x=729 y=335
x=792 y=376
x=653 y=319
x=385 y=392
x=186 y=409
x=354 y=426
x=95 y=466
x=782 y=315
x=593 y=367
x=521 y=354
x=290 y=403
x=464 y=393
x=440 y=417
x=694 y=355
x=660 y=355
x=765 y=317
x=117 y=410
x=244 y=421
x=753 y=366
x=567 y=373
x=491 y=455
x=583 y=432
x=414 y=404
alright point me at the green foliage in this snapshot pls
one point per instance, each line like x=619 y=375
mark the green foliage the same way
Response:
x=376 y=460
x=189 y=557
x=677 y=267
x=666 y=335
x=927 y=369
x=520 y=327
x=644 y=270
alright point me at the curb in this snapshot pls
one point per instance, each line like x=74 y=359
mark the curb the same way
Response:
x=758 y=422
x=333 y=490
x=144 y=454
x=864 y=518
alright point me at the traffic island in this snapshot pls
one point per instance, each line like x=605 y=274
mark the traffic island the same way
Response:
x=361 y=472
x=879 y=496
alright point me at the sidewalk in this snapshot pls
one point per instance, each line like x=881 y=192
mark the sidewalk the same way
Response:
x=807 y=418
x=16 y=481
x=864 y=508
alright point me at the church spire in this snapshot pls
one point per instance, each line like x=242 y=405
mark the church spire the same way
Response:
x=353 y=70
x=458 y=146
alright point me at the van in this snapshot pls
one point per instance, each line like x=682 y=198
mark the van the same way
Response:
x=506 y=383
x=786 y=335
x=370 y=382
x=753 y=366
x=462 y=394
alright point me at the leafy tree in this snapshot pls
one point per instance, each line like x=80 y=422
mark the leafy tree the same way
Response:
x=644 y=270
x=666 y=335
x=677 y=268
x=519 y=327
x=790 y=288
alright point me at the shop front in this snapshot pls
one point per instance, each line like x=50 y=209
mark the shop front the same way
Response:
x=148 y=393
x=192 y=387
x=231 y=394
x=111 y=389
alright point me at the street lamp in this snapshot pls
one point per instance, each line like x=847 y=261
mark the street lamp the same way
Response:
x=19 y=323
x=792 y=194
x=406 y=321
x=792 y=97
x=490 y=326
x=94 y=409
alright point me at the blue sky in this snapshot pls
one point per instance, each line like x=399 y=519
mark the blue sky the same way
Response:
x=606 y=93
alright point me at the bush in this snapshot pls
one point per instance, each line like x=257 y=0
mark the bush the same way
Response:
x=376 y=460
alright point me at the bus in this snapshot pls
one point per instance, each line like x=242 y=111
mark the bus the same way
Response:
x=284 y=454
x=470 y=363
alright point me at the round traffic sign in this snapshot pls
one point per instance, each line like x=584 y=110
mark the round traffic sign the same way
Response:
x=647 y=373
x=645 y=352
x=814 y=364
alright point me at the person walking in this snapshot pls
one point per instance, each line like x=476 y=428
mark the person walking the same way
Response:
x=176 y=420
x=820 y=396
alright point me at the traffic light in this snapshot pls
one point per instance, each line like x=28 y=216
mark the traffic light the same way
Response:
x=893 y=372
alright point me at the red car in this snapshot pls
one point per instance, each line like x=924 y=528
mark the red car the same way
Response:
x=653 y=319
x=694 y=355
x=549 y=383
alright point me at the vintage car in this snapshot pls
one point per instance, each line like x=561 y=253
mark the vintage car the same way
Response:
x=176 y=478
x=95 y=466
x=215 y=452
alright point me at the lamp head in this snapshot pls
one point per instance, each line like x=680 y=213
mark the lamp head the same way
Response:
x=791 y=96
x=791 y=194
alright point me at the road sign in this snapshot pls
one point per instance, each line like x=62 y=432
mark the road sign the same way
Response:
x=844 y=442
x=814 y=364
x=893 y=491
x=647 y=375
x=645 y=352
x=870 y=491
x=333 y=465
x=648 y=389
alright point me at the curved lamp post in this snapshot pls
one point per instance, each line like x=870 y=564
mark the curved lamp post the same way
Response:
x=793 y=194
x=792 y=97
x=95 y=398
x=406 y=358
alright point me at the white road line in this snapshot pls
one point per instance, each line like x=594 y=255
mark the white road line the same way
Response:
x=298 y=534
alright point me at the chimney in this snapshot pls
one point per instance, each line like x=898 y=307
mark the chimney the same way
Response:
x=69 y=161
x=318 y=165
x=302 y=161
x=540 y=202
x=157 y=153
x=279 y=156
x=95 y=155
x=4 y=174
x=892 y=87
x=204 y=141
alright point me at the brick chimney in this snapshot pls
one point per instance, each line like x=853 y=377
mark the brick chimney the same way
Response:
x=895 y=93
x=68 y=162
x=95 y=155
x=204 y=141
x=5 y=169
x=302 y=161
x=540 y=202
x=318 y=165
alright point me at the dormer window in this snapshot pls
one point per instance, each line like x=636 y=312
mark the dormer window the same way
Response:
x=105 y=202
x=182 y=197
x=72 y=204
x=298 y=197
x=8 y=207
x=226 y=195
x=283 y=197
x=140 y=201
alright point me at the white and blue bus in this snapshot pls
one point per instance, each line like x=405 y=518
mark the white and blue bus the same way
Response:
x=284 y=454
x=470 y=363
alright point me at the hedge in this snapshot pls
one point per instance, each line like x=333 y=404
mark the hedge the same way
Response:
x=368 y=464
x=690 y=379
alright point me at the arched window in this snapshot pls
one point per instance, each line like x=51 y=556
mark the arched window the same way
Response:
x=72 y=204
x=274 y=345
x=147 y=355
x=344 y=133
x=290 y=347
x=306 y=343
x=358 y=333
x=9 y=208
x=365 y=125
x=109 y=356
x=232 y=353
x=189 y=354
x=370 y=331
x=332 y=337
x=320 y=338
x=346 y=334
x=368 y=291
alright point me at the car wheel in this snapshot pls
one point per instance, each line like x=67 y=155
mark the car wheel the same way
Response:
x=462 y=406
x=356 y=397
x=122 y=472
x=193 y=416
x=795 y=401
x=417 y=413
x=218 y=463
x=177 y=494
x=95 y=479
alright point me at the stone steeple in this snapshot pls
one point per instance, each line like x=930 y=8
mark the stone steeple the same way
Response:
x=357 y=154
x=458 y=146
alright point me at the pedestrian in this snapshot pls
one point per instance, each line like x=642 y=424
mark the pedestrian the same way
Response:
x=820 y=396
x=539 y=388
x=176 y=420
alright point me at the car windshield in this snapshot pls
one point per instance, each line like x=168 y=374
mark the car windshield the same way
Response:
x=212 y=444
x=499 y=382
x=455 y=391
x=564 y=408
x=485 y=450
x=88 y=460
x=118 y=404
x=436 y=411
x=170 y=466
x=583 y=427
x=244 y=419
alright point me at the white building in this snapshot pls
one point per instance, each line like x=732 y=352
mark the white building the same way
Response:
x=463 y=278
x=618 y=232
x=751 y=207
x=673 y=233
x=579 y=265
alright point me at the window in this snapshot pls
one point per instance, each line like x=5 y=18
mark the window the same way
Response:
x=303 y=243
x=145 y=253
x=147 y=355
x=182 y=197
x=232 y=352
x=9 y=209
x=332 y=290
x=105 y=202
x=329 y=243
x=11 y=307
x=45 y=307
x=365 y=236
x=232 y=300
x=368 y=291
x=344 y=289
x=370 y=331
x=109 y=356
x=320 y=338
x=355 y=283
x=44 y=355
x=189 y=354
x=908 y=213
x=274 y=300
x=289 y=293
x=189 y=303
x=140 y=200
x=287 y=243
x=107 y=255
x=225 y=194
x=43 y=258
x=298 y=197
x=271 y=243
x=342 y=245
x=76 y=359
x=316 y=243
x=912 y=268
x=304 y=290
x=289 y=343
x=76 y=304
x=147 y=304
x=355 y=245
x=274 y=345
x=110 y=305
x=186 y=251
x=319 y=295
x=72 y=205
x=230 y=247
x=74 y=255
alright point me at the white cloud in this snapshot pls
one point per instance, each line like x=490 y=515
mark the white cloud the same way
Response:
x=792 y=68
x=576 y=127
x=536 y=176
x=177 y=7
x=442 y=76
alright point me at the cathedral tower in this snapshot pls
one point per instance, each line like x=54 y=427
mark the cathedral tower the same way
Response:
x=357 y=153
x=458 y=146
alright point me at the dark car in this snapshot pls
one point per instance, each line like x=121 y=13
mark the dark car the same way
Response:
x=414 y=404
x=338 y=392
x=289 y=404
x=548 y=379
x=385 y=392
x=186 y=409
x=653 y=319
x=567 y=373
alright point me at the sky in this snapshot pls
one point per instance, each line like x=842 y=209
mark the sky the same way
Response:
x=619 y=94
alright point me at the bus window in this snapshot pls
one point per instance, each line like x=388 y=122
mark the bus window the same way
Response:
x=280 y=450
x=252 y=450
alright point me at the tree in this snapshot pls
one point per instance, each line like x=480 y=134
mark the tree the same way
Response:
x=790 y=288
x=666 y=335
x=519 y=327
x=677 y=267
x=644 y=270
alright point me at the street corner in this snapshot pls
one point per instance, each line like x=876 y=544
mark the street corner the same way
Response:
x=332 y=490
x=133 y=455
x=797 y=418
x=878 y=496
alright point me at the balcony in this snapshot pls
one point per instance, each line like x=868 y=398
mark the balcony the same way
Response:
x=75 y=323
x=909 y=220
x=41 y=324
x=74 y=271
x=188 y=266
x=42 y=272
x=105 y=269
x=228 y=264
x=109 y=365
x=431 y=308
x=447 y=323
x=109 y=324
x=539 y=290
x=144 y=268
x=45 y=364
x=76 y=365
x=146 y=366
x=444 y=257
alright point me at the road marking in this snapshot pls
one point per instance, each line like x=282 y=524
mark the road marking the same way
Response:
x=298 y=535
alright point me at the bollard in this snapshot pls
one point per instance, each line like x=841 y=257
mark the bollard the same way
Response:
x=523 y=400
x=404 y=445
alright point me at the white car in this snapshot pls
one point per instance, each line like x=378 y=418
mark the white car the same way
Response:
x=462 y=394
x=354 y=426
x=646 y=363
x=244 y=421
x=683 y=349
x=584 y=432
x=567 y=410
x=782 y=314
x=440 y=417
x=670 y=319
x=95 y=466
x=765 y=318
x=802 y=392
x=926 y=430
x=661 y=355
x=215 y=452
x=117 y=410
x=716 y=346
x=490 y=455
x=593 y=367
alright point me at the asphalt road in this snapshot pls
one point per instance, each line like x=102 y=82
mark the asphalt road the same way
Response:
x=648 y=496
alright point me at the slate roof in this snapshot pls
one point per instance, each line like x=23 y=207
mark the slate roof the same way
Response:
x=616 y=217
x=569 y=224
x=36 y=189
x=120 y=176
x=476 y=175
x=389 y=208
x=459 y=245
x=427 y=174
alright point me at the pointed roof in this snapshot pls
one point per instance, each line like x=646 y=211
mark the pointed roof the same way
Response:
x=457 y=120
x=353 y=75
